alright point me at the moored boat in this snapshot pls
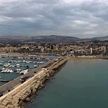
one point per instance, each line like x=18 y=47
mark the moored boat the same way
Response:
x=24 y=71
x=6 y=70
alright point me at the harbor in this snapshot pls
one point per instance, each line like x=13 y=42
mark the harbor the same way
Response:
x=18 y=92
x=13 y=66
x=22 y=87
x=53 y=54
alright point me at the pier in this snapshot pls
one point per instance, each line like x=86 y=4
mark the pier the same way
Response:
x=15 y=92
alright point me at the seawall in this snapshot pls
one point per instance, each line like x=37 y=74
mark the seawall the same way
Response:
x=21 y=92
x=87 y=57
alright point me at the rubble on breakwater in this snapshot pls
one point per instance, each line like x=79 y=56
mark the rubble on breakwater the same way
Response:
x=22 y=92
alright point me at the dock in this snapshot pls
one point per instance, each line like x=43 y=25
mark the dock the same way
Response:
x=15 y=92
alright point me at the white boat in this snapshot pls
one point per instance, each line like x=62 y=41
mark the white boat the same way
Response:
x=24 y=61
x=35 y=66
x=12 y=66
x=24 y=71
x=28 y=61
x=6 y=70
x=40 y=62
x=18 y=70
x=1 y=64
x=7 y=65
x=18 y=65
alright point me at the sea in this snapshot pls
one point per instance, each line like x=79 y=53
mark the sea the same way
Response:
x=79 y=84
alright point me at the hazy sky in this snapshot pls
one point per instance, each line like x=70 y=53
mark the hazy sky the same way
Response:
x=80 y=18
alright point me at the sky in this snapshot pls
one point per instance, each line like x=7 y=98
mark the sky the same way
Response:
x=77 y=18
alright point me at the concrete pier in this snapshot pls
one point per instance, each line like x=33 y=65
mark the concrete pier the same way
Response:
x=22 y=92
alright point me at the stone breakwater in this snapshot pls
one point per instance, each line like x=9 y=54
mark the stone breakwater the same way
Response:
x=22 y=92
x=88 y=57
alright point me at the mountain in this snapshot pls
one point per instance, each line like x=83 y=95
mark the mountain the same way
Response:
x=43 y=39
x=46 y=39
x=105 y=38
x=54 y=39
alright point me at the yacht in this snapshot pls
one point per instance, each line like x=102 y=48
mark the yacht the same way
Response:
x=6 y=70
x=18 y=70
x=7 y=65
x=24 y=72
x=35 y=66
x=18 y=65
x=28 y=61
x=1 y=64
x=40 y=62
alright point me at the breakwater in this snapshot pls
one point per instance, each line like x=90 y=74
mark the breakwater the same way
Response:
x=80 y=83
x=22 y=92
x=87 y=57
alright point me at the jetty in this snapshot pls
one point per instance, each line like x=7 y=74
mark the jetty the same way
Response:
x=15 y=92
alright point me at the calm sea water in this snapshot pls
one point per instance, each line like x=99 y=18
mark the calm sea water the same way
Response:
x=79 y=84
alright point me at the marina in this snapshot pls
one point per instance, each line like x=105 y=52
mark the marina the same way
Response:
x=12 y=67
x=19 y=90
x=84 y=75
x=53 y=54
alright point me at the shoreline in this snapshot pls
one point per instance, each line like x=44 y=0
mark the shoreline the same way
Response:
x=86 y=57
x=22 y=93
x=46 y=54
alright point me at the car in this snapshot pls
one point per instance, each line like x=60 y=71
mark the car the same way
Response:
x=1 y=94
x=23 y=78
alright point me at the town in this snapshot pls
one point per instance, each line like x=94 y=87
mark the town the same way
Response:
x=78 y=48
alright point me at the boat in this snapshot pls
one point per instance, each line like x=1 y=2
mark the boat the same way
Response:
x=24 y=61
x=10 y=61
x=35 y=66
x=7 y=70
x=40 y=62
x=17 y=65
x=7 y=65
x=1 y=64
x=24 y=72
x=12 y=66
x=18 y=70
x=28 y=61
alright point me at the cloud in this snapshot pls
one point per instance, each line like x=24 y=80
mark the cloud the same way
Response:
x=80 y=22
x=80 y=18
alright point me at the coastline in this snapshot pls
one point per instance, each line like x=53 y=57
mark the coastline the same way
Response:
x=22 y=93
x=46 y=54
x=86 y=57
